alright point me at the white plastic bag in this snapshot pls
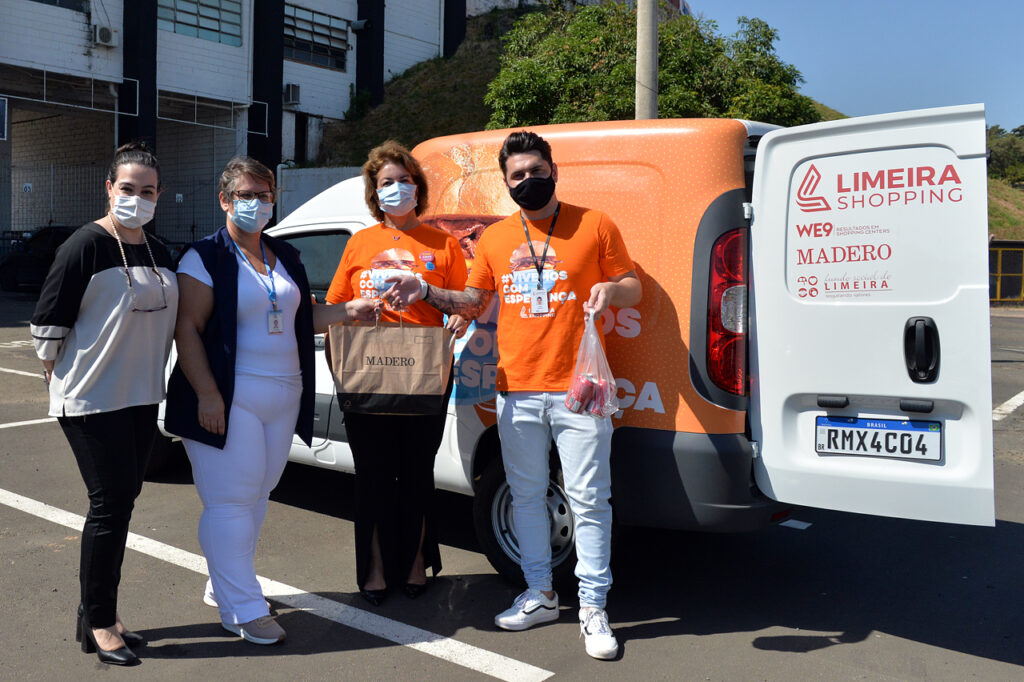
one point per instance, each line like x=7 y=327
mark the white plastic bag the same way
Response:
x=592 y=390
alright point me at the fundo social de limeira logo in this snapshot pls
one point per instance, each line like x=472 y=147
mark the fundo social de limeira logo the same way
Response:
x=805 y=197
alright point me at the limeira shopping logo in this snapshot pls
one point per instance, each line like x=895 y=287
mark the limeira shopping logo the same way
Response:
x=806 y=199
x=881 y=187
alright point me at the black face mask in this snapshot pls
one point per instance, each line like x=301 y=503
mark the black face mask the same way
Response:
x=533 y=194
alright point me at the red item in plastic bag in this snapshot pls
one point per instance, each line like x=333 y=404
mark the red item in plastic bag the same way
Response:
x=593 y=389
x=580 y=393
x=599 y=399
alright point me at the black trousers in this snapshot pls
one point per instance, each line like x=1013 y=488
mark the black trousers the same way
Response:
x=394 y=458
x=112 y=449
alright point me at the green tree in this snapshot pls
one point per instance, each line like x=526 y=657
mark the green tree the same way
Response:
x=1006 y=154
x=569 y=64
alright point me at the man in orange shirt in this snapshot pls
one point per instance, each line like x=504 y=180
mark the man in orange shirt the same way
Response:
x=553 y=263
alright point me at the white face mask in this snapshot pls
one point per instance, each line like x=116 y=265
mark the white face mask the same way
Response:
x=397 y=199
x=132 y=212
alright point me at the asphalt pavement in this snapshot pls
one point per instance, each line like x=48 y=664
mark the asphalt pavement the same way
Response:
x=836 y=596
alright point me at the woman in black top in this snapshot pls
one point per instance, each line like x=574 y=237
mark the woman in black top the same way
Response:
x=103 y=328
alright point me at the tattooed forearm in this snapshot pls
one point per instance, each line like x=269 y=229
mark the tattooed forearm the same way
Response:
x=470 y=303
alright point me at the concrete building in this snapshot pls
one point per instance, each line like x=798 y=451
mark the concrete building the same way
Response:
x=200 y=80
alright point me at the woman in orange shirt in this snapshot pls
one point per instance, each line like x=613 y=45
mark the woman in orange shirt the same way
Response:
x=394 y=454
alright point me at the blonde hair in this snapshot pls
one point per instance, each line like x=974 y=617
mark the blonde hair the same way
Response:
x=241 y=166
x=382 y=155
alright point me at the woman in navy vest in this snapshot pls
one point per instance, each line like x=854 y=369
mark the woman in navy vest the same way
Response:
x=243 y=384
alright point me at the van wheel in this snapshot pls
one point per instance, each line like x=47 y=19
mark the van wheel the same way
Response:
x=165 y=456
x=495 y=531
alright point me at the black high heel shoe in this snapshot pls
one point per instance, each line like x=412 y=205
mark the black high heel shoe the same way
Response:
x=130 y=638
x=414 y=591
x=375 y=597
x=83 y=634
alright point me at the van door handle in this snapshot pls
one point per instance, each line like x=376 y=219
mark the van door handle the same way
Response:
x=921 y=349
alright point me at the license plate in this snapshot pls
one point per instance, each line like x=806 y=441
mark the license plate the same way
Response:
x=896 y=438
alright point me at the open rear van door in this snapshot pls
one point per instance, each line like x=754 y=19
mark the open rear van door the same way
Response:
x=871 y=376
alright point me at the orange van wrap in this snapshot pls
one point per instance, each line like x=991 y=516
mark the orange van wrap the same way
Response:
x=655 y=179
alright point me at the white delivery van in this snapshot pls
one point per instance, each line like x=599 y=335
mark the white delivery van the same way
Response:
x=814 y=329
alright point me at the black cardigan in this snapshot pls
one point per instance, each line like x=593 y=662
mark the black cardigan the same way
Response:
x=220 y=340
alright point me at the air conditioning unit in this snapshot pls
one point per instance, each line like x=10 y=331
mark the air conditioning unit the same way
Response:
x=291 y=93
x=104 y=35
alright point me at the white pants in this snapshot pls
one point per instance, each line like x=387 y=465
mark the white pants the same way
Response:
x=234 y=485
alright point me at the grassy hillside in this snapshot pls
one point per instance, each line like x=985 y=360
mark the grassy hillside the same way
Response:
x=1005 y=210
x=433 y=98
x=828 y=113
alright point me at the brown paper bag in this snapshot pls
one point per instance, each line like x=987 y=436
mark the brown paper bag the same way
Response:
x=388 y=368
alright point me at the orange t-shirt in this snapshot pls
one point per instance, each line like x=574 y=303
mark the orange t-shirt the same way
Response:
x=375 y=253
x=538 y=353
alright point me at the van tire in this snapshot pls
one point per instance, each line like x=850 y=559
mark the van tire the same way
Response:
x=492 y=520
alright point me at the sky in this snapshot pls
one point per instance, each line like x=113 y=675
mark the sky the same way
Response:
x=865 y=57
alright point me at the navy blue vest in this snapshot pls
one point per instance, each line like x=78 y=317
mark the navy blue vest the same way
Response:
x=220 y=340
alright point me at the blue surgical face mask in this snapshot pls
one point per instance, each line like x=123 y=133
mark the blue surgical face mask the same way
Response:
x=397 y=199
x=252 y=215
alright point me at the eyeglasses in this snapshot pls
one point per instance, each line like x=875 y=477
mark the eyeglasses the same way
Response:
x=265 y=197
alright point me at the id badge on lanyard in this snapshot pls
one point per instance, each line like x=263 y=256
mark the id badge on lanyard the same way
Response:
x=275 y=322
x=539 y=296
x=539 y=301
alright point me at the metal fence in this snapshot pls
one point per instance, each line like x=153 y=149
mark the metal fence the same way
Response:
x=188 y=209
x=1006 y=271
x=35 y=196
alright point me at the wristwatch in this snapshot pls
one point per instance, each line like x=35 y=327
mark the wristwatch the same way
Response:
x=424 y=288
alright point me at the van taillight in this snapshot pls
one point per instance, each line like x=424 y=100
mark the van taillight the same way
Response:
x=727 y=312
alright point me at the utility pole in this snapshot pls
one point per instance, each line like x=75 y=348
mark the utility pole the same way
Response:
x=646 y=59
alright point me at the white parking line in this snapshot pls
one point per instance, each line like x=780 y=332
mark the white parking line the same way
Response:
x=1008 y=407
x=30 y=422
x=439 y=646
x=36 y=375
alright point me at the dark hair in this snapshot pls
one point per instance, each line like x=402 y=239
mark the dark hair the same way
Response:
x=382 y=155
x=244 y=165
x=523 y=142
x=135 y=152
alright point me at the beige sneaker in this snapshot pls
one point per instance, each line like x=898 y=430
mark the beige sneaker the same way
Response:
x=263 y=630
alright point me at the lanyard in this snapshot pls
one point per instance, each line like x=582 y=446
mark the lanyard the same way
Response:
x=539 y=264
x=272 y=289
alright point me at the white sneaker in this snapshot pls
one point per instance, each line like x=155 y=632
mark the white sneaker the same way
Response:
x=210 y=599
x=597 y=635
x=529 y=609
x=263 y=630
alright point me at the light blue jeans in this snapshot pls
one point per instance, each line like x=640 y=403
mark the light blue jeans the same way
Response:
x=527 y=421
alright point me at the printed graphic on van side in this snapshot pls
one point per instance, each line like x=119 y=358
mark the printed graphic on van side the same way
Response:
x=648 y=345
